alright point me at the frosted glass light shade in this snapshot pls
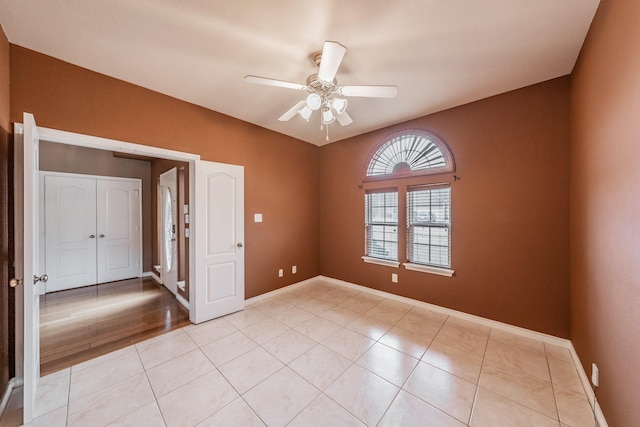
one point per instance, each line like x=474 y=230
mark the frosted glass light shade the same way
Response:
x=339 y=105
x=327 y=117
x=305 y=112
x=314 y=101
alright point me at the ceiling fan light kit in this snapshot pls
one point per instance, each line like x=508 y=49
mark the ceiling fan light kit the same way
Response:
x=323 y=91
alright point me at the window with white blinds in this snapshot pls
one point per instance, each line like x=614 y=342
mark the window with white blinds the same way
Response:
x=428 y=225
x=381 y=224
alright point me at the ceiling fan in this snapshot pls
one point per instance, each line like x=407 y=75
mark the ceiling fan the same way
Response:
x=322 y=90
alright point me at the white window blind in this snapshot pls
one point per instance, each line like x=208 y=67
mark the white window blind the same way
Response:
x=428 y=224
x=381 y=224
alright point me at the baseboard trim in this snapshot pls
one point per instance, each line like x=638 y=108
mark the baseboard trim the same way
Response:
x=183 y=301
x=279 y=291
x=586 y=384
x=7 y=395
x=153 y=275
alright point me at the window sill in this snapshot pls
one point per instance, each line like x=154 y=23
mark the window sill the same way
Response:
x=428 y=269
x=380 y=261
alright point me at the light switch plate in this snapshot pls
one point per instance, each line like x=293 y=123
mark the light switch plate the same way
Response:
x=257 y=217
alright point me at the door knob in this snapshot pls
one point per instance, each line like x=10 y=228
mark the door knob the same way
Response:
x=239 y=245
x=15 y=282
x=42 y=279
x=92 y=236
x=101 y=236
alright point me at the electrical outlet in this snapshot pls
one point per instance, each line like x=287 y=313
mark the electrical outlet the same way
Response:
x=595 y=375
x=280 y=273
x=294 y=269
x=394 y=277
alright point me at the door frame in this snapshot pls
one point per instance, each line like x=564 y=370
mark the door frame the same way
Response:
x=41 y=215
x=161 y=231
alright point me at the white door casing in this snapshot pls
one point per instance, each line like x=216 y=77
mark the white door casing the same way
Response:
x=31 y=349
x=167 y=239
x=118 y=229
x=70 y=227
x=219 y=241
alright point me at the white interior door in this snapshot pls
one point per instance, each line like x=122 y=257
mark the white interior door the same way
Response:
x=70 y=224
x=169 y=219
x=30 y=267
x=219 y=240
x=118 y=229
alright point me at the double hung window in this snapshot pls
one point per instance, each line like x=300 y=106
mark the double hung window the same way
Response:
x=381 y=224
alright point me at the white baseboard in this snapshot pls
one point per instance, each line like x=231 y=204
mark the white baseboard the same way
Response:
x=153 y=275
x=7 y=395
x=183 y=301
x=527 y=333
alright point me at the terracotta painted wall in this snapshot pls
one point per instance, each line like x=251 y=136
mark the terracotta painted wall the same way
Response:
x=5 y=126
x=280 y=172
x=83 y=160
x=605 y=207
x=510 y=210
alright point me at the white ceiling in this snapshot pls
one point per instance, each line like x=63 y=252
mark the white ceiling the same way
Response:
x=440 y=53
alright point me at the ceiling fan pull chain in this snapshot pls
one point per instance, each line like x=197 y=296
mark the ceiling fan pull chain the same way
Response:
x=327 y=133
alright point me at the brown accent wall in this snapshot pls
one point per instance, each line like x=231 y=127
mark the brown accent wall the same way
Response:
x=605 y=207
x=281 y=173
x=5 y=125
x=89 y=161
x=510 y=210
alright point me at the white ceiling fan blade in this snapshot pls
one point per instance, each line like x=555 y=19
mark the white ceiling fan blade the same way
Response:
x=370 y=91
x=272 y=82
x=332 y=55
x=344 y=119
x=292 y=111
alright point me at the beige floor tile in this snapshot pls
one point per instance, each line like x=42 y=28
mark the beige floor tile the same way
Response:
x=110 y=403
x=566 y=375
x=104 y=374
x=361 y=303
x=161 y=351
x=236 y=413
x=392 y=365
x=558 y=353
x=460 y=323
x=389 y=311
x=369 y=327
x=52 y=393
x=272 y=306
x=365 y=395
x=178 y=371
x=114 y=354
x=324 y=412
x=265 y=331
x=155 y=340
x=336 y=296
x=317 y=306
x=348 y=343
x=457 y=362
x=462 y=339
x=294 y=316
x=247 y=317
x=420 y=325
x=443 y=390
x=149 y=416
x=341 y=316
x=517 y=340
x=281 y=397
x=320 y=366
x=249 y=369
x=289 y=346
x=317 y=328
x=228 y=348
x=574 y=408
x=518 y=358
x=57 y=418
x=210 y=331
x=409 y=411
x=493 y=410
x=426 y=314
x=407 y=342
x=195 y=401
x=528 y=390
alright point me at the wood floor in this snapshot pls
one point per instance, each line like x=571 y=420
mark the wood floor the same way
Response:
x=83 y=323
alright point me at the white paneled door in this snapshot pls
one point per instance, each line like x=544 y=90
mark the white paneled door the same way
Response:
x=92 y=230
x=219 y=246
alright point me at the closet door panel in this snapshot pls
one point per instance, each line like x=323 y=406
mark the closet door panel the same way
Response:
x=70 y=227
x=118 y=216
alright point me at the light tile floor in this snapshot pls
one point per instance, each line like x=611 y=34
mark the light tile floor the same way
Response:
x=323 y=355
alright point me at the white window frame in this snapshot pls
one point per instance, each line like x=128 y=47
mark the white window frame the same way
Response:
x=387 y=222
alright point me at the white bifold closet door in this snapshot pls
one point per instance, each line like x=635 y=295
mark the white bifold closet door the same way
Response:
x=92 y=230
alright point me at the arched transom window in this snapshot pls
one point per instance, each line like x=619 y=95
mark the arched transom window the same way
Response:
x=409 y=153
